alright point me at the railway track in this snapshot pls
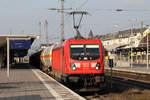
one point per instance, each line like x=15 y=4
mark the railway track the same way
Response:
x=94 y=96
x=123 y=88
x=141 y=77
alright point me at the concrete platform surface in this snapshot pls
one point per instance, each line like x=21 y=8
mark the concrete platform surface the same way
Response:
x=32 y=84
x=136 y=68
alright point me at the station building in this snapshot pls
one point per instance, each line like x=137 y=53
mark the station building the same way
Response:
x=129 y=46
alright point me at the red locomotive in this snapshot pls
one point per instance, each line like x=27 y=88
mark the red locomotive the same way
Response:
x=78 y=62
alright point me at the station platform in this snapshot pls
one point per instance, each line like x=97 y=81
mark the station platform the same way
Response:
x=136 y=68
x=27 y=83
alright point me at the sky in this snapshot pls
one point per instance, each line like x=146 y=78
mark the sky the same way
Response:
x=23 y=16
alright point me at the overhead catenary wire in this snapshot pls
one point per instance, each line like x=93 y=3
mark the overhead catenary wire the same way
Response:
x=57 y=29
x=109 y=10
x=54 y=33
x=83 y=4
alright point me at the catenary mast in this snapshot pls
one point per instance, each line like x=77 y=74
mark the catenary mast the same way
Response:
x=62 y=21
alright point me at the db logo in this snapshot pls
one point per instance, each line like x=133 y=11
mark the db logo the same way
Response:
x=85 y=64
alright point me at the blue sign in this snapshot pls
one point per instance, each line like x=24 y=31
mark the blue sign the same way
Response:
x=20 y=44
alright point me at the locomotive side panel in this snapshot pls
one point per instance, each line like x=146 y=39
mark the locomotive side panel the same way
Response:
x=56 y=60
x=62 y=60
x=102 y=60
x=66 y=58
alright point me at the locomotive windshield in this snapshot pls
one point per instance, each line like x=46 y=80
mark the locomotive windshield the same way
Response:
x=84 y=52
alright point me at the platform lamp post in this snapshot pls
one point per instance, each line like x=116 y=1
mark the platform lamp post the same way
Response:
x=147 y=50
x=131 y=20
x=131 y=54
x=131 y=41
x=117 y=27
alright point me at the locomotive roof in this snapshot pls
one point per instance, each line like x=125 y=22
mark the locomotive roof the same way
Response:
x=77 y=41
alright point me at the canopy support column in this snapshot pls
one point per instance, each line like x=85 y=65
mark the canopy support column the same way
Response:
x=8 y=57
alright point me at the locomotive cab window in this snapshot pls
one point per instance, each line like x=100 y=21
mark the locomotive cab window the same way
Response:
x=85 y=52
x=76 y=51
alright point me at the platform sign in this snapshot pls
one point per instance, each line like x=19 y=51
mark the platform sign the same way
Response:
x=111 y=63
x=20 y=44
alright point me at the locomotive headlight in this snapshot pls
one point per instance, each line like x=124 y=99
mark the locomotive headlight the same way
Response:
x=93 y=64
x=97 y=66
x=73 y=66
x=77 y=64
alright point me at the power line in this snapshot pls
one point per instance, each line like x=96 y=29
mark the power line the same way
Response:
x=83 y=4
x=58 y=28
x=118 y=10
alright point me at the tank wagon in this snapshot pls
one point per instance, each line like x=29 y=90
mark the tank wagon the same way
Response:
x=79 y=62
x=46 y=59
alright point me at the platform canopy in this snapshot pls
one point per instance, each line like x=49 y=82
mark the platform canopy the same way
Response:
x=3 y=38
